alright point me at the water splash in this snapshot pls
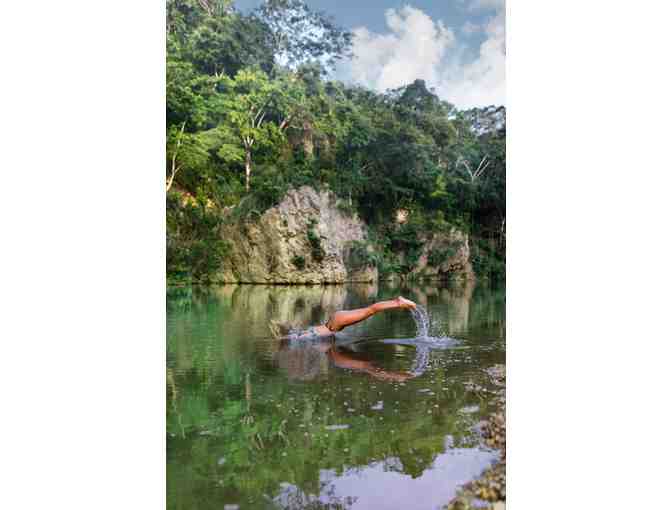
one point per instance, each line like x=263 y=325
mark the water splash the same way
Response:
x=422 y=323
x=432 y=342
x=421 y=318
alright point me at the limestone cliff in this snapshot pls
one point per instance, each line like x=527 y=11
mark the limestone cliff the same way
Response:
x=304 y=239
x=445 y=255
x=307 y=238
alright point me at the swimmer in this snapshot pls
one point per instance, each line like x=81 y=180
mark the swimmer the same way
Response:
x=344 y=318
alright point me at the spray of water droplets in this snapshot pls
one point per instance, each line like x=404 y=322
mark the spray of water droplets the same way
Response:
x=421 y=318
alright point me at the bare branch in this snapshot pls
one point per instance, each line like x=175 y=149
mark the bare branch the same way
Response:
x=169 y=182
x=206 y=6
x=261 y=111
x=473 y=174
x=481 y=168
x=174 y=166
x=285 y=123
x=481 y=163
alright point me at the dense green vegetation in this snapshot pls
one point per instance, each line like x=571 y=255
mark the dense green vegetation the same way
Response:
x=251 y=112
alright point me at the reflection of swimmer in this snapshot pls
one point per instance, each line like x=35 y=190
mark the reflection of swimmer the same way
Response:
x=340 y=320
x=304 y=359
x=345 y=360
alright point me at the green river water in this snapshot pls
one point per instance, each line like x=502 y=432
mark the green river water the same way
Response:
x=253 y=422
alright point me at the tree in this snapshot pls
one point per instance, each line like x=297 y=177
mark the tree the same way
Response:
x=299 y=35
x=417 y=97
x=226 y=44
x=185 y=151
x=474 y=174
x=258 y=111
x=185 y=95
x=214 y=38
x=248 y=94
x=175 y=166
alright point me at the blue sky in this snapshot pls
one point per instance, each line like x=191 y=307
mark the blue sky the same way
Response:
x=457 y=46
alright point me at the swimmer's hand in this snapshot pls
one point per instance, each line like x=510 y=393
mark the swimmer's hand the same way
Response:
x=405 y=303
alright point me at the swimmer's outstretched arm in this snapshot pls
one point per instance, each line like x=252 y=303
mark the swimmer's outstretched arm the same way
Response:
x=345 y=318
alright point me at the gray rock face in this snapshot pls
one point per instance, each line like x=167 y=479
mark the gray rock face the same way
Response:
x=445 y=256
x=308 y=239
x=304 y=239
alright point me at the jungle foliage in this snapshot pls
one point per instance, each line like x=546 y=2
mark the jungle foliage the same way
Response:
x=251 y=112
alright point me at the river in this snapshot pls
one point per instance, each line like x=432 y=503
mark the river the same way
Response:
x=376 y=418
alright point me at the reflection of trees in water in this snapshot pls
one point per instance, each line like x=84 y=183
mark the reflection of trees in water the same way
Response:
x=179 y=298
x=365 y=291
x=255 y=456
x=488 y=311
x=454 y=297
x=292 y=497
x=299 y=305
x=302 y=362
x=230 y=419
x=458 y=298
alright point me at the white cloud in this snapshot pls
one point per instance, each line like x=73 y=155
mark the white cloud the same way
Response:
x=418 y=47
x=413 y=50
x=483 y=81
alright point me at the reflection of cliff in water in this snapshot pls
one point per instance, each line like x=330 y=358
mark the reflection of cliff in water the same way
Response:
x=254 y=424
x=303 y=362
x=301 y=306
x=458 y=298
x=454 y=297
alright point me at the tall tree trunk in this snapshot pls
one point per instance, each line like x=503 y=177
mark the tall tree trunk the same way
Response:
x=175 y=167
x=248 y=168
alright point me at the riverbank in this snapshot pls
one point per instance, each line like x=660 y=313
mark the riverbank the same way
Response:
x=489 y=488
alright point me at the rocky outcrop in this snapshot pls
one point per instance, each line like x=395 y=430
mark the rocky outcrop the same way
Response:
x=304 y=239
x=308 y=239
x=445 y=256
